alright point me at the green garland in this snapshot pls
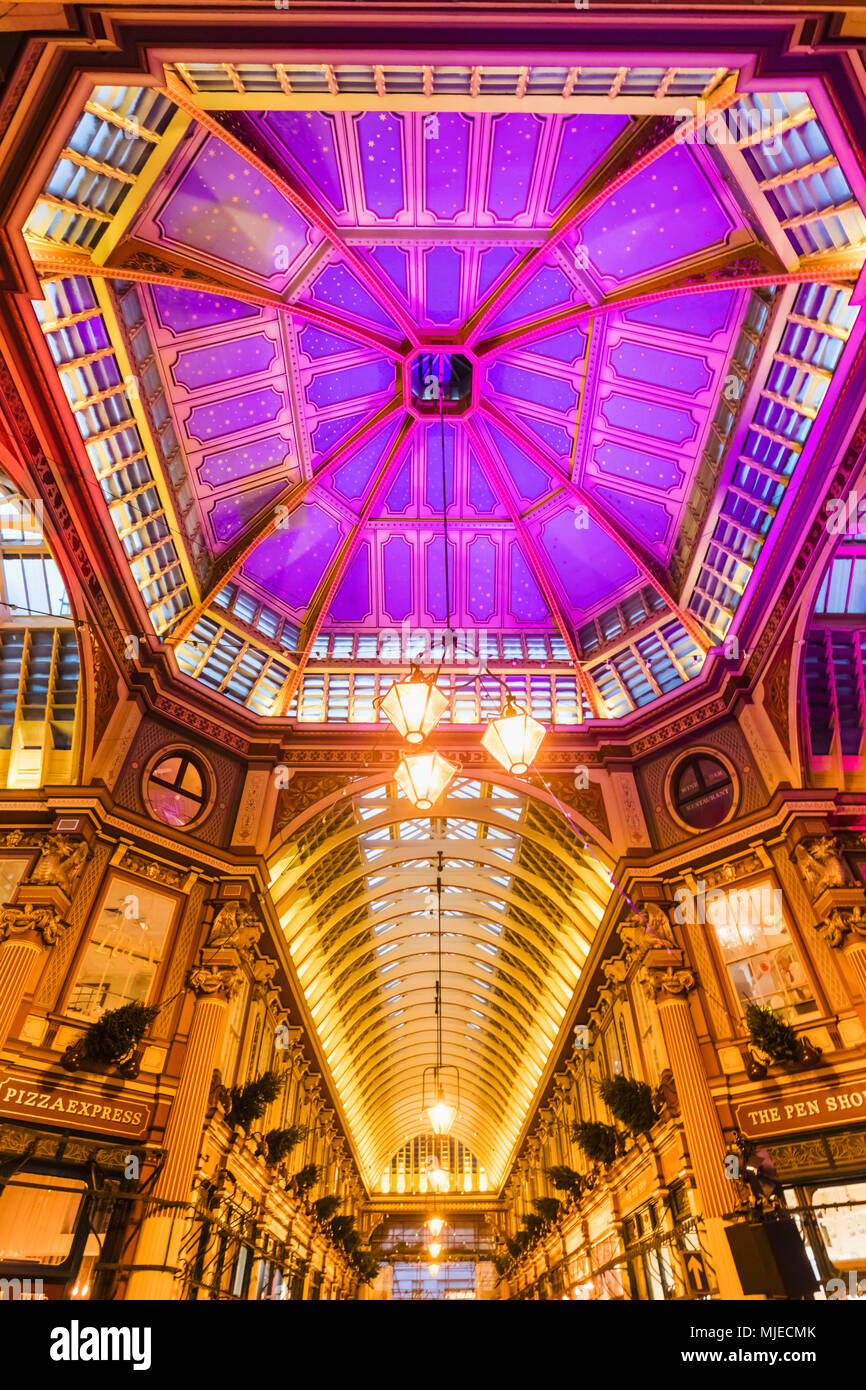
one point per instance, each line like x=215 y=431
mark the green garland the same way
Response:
x=599 y=1142
x=565 y=1179
x=770 y=1033
x=113 y=1035
x=629 y=1101
x=279 y=1143
x=306 y=1178
x=547 y=1208
x=249 y=1102
x=326 y=1207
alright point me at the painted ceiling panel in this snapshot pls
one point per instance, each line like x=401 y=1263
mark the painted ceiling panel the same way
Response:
x=290 y=562
x=665 y=212
x=590 y=567
x=226 y=209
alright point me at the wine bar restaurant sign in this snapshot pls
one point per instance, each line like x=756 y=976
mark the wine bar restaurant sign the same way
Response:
x=842 y=1103
x=39 y=1098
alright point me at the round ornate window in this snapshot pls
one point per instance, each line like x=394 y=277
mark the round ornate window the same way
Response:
x=702 y=790
x=178 y=787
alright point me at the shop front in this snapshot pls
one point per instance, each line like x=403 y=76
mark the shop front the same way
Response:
x=816 y=1139
x=69 y=1186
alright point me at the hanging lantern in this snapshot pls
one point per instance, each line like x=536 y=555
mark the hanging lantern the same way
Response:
x=440 y=1114
x=423 y=777
x=414 y=705
x=435 y=1225
x=434 y=1271
x=514 y=738
x=435 y=1249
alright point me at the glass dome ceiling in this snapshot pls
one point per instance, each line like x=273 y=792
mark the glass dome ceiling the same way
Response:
x=242 y=340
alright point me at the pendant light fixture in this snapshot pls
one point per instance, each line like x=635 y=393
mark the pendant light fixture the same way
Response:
x=435 y=1249
x=423 y=777
x=440 y=1100
x=414 y=705
x=514 y=738
x=434 y=1225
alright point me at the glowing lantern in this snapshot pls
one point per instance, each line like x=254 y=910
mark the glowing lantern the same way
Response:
x=434 y=1271
x=514 y=738
x=423 y=777
x=414 y=706
x=435 y=1225
x=435 y=1249
x=441 y=1115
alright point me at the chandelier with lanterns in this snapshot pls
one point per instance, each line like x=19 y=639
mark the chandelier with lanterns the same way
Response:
x=415 y=704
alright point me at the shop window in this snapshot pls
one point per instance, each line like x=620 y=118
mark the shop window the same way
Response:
x=45 y=1231
x=11 y=873
x=177 y=787
x=762 y=962
x=125 y=949
x=842 y=1227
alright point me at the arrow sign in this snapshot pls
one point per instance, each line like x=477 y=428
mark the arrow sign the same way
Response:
x=696 y=1273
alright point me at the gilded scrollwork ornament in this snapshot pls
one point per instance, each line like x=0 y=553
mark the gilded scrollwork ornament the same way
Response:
x=36 y=918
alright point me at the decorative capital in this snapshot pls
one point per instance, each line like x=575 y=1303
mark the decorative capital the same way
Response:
x=31 y=919
x=60 y=862
x=842 y=923
x=210 y=982
x=674 y=984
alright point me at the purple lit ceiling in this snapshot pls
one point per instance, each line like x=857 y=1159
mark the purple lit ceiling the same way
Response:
x=567 y=474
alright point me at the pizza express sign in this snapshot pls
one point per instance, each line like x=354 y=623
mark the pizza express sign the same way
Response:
x=38 y=1098
x=844 y=1103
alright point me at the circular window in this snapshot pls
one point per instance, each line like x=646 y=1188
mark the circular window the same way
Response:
x=177 y=787
x=701 y=791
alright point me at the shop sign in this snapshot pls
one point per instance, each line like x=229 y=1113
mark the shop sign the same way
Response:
x=840 y=1104
x=41 y=1099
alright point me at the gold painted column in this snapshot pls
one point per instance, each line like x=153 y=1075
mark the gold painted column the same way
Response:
x=158 y=1245
x=845 y=929
x=27 y=931
x=671 y=986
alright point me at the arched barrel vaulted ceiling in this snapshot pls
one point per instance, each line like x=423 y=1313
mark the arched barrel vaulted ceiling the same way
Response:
x=354 y=887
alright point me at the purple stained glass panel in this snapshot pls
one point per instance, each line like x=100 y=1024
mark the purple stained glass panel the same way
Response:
x=482 y=498
x=567 y=347
x=317 y=342
x=233 y=414
x=549 y=288
x=584 y=139
x=648 y=519
x=246 y=459
x=400 y=493
x=702 y=315
x=230 y=514
x=433 y=439
x=184 y=310
x=310 y=140
x=588 y=564
x=291 y=561
x=338 y=287
x=530 y=481
x=223 y=361
x=353 y=477
x=227 y=209
x=395 y=263
x=665 y=211
x=330 y=432
x=493 y=264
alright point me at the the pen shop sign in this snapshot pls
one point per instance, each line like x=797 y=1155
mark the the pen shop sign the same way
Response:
x=40 y=1099
x=840 y=1104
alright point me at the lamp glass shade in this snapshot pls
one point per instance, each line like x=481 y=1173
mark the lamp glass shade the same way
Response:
x=423 y=777
x=435 y=1225
x=414 y=706
x=435 y=1249
x=441 y=1115
x=514 y=739
x=434 y=1271
x=438 y=1179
